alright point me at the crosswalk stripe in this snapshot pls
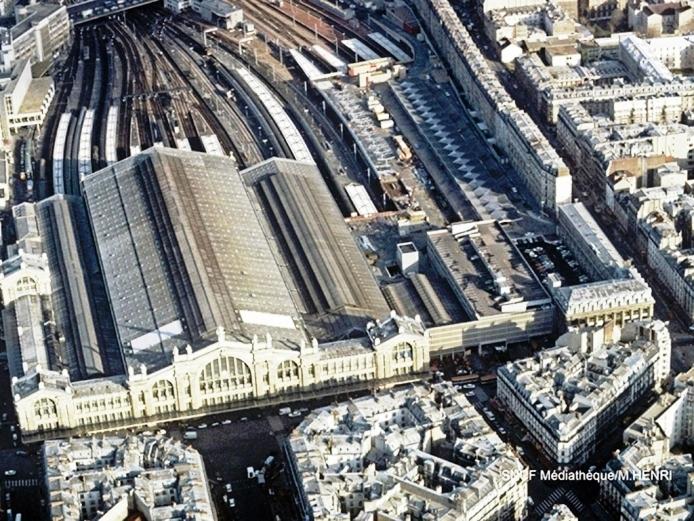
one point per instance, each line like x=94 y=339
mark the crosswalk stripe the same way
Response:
x=20 y=483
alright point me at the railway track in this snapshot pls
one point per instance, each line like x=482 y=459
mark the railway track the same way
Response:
x=45 y=183
x=125 y=113
x=83 y=99
x=140 y=86
x=277 y=28
x=164 y=90
x=248 y=154
x=306 y=22
x=101 y=100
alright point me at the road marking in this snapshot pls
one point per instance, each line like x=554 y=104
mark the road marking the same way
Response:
x=275 y=423
x=21 y=483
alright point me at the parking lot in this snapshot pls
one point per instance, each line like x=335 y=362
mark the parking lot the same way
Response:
x=232 y=442
x=229 y=445
x=549 y=255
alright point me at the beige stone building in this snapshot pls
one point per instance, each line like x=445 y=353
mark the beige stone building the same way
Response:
x=223 y=375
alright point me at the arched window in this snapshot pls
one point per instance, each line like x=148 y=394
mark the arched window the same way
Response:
x=403 y=358
x=46 y=414
x=163 y=396
x=225 y=374
x=26 y=286
x=163 y=391
x=403 y=353
x=288 y=371
x=45 y=409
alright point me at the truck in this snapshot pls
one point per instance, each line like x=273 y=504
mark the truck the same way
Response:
x=284 y=411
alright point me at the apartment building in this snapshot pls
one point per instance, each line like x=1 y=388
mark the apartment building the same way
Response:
x=374 y=456
x=525 y=148
x=113 y=477
x=652 y=477
x=569 y=397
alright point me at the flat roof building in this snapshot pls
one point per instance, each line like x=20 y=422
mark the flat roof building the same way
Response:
x=474 y=291
x=485 y=270
x=36 y=32
x=25 y=100
x=220 y=12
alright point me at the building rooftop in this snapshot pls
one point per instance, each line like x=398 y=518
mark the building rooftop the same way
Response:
x=167 y=478
x=326 y=268
x=654 y=441
x=32 y=14
x=576 y=216
x=220 y=8
x=649 y=66
x=581 y=297
x=559 y=512
x=485 y=270
x=87 y=326
x=380 y=447
x=200 y=261
x=569 y=384
x=23 y=324
x=36 y=95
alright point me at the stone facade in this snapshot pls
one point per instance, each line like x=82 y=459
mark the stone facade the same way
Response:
x=224 y=374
